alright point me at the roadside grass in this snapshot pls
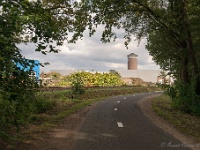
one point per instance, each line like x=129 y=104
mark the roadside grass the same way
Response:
x=185 y=123
x=53 y=106
x=40 y=123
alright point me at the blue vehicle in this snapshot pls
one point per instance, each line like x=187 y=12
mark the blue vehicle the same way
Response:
x=34 y=66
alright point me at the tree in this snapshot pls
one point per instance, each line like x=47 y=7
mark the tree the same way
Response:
x=171 y=27
x=38 y=21
x=164 y=53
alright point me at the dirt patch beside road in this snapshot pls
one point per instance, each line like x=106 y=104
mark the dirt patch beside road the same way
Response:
x=61 y=137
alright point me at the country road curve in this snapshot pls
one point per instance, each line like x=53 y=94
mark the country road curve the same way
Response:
x=118 y=124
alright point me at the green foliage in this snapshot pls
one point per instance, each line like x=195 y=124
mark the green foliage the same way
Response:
x=15 y=109
x=23 y=21
x=186 y=99
x=171 y=91
x=80 y=80
x=42 y=105
x=88 y=79
x=64 y=81
x=77 y=84
x=183 y=97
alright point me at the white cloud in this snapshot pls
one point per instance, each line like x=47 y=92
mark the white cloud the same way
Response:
x=90 y=54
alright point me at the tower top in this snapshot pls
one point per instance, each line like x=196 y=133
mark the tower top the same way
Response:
x=132 y=55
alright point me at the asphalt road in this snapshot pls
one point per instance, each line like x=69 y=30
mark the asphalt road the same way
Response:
x=118 y=124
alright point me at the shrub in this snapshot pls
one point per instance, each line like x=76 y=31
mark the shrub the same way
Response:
x=77 y=85
x=92 y=79
x=42 y=105
x=14 y=111
x=184 y=98
x=17 y=93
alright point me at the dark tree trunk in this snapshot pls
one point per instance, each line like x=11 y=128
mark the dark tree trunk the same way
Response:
x=191 y=53
x=184 y=71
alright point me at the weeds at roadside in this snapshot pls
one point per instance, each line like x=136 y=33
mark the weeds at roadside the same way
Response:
x=52 y=107
x=185 y=123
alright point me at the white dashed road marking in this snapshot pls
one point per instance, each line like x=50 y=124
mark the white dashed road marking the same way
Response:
x=118 y=101
x=115 y=109
x=120 y=125
x=124 y=97
x=158 y=91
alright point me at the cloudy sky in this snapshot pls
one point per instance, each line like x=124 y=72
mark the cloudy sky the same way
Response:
x=91 y=54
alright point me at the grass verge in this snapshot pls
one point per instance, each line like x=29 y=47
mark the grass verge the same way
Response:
x=185 y=123
x=50 y=108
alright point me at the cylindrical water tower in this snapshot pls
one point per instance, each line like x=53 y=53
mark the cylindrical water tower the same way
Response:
x=132 y=61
